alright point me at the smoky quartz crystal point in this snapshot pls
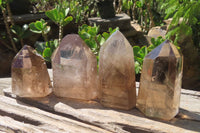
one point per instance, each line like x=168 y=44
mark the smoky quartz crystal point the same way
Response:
x=30 y=77
x=74 y=69
x=160 y=83
x=117 y=73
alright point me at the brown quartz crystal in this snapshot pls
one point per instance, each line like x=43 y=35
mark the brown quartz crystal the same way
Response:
x=117 y=73
x=160 y=83
x=74 y=69
x=30 y=77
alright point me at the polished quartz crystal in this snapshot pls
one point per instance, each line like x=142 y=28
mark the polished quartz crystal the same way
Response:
x=74 y=69
x=117 y=73
x=30 y=77
x=160 y=83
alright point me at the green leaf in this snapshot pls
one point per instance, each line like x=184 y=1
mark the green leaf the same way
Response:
x=130 y=4
x=84 y=26
x=110 y=29
x=92 y=33
x=53 y=45
x=61 y=17
x=47 y=29
x=137 y=67
x=151 y=47
x=111 y=32
x=53 y=15
x=15 y=39
x=21 y=32
x=91 y=43
x=33 y=28
x=42 y=21
x=140 y=60
x=97 y=28
x=153 y=40
x=58 y=15
x=136 y=50
x=47 y=44
x=40 y=46
x=47 y=52
x=38 y=25
x=94 y=30
x=138 y=4
x=170 y=9
x=143 y=51
x=67 y=20
x=56 y=43
x=156 y=42
x=66 y=12
x=100 y=39
x=16 y=29
x=140 y=53
x=105 y=35
x=85 y=35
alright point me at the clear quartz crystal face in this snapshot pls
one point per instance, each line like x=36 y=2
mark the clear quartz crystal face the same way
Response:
x=74 y=69
x=160 y=83
x=117 y=73
x=30 y=77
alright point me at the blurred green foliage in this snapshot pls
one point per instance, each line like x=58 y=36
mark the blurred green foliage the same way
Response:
x=185 y=19
x=92 y=37
x=39 y=27
x=46 y=49
x=20 y=33
x=59 y=16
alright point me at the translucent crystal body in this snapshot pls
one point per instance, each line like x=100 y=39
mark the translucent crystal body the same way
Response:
x=117 y=73
x=74 y=69
x=30 y=77
x=160 y=84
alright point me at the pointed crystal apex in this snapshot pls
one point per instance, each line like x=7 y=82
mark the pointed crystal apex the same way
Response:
x=160 y=83
x=30 y=77
x=117 y=73
x=164 y=49
x=74 y=69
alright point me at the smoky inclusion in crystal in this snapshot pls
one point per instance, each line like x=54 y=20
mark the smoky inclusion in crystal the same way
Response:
x=74 y=69
x=117 y=73
x=30 y=77
x=160 y=83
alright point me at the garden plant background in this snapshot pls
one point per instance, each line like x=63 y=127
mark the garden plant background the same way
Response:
x=71 y=16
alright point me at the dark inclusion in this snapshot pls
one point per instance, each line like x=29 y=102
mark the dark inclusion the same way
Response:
x=160 y=69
